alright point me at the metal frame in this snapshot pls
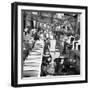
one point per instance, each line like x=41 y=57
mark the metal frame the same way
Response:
x=14 y=43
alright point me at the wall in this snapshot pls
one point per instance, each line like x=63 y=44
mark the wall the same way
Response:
x=5 y=45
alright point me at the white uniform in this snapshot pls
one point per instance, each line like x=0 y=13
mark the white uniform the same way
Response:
x=52 y=45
